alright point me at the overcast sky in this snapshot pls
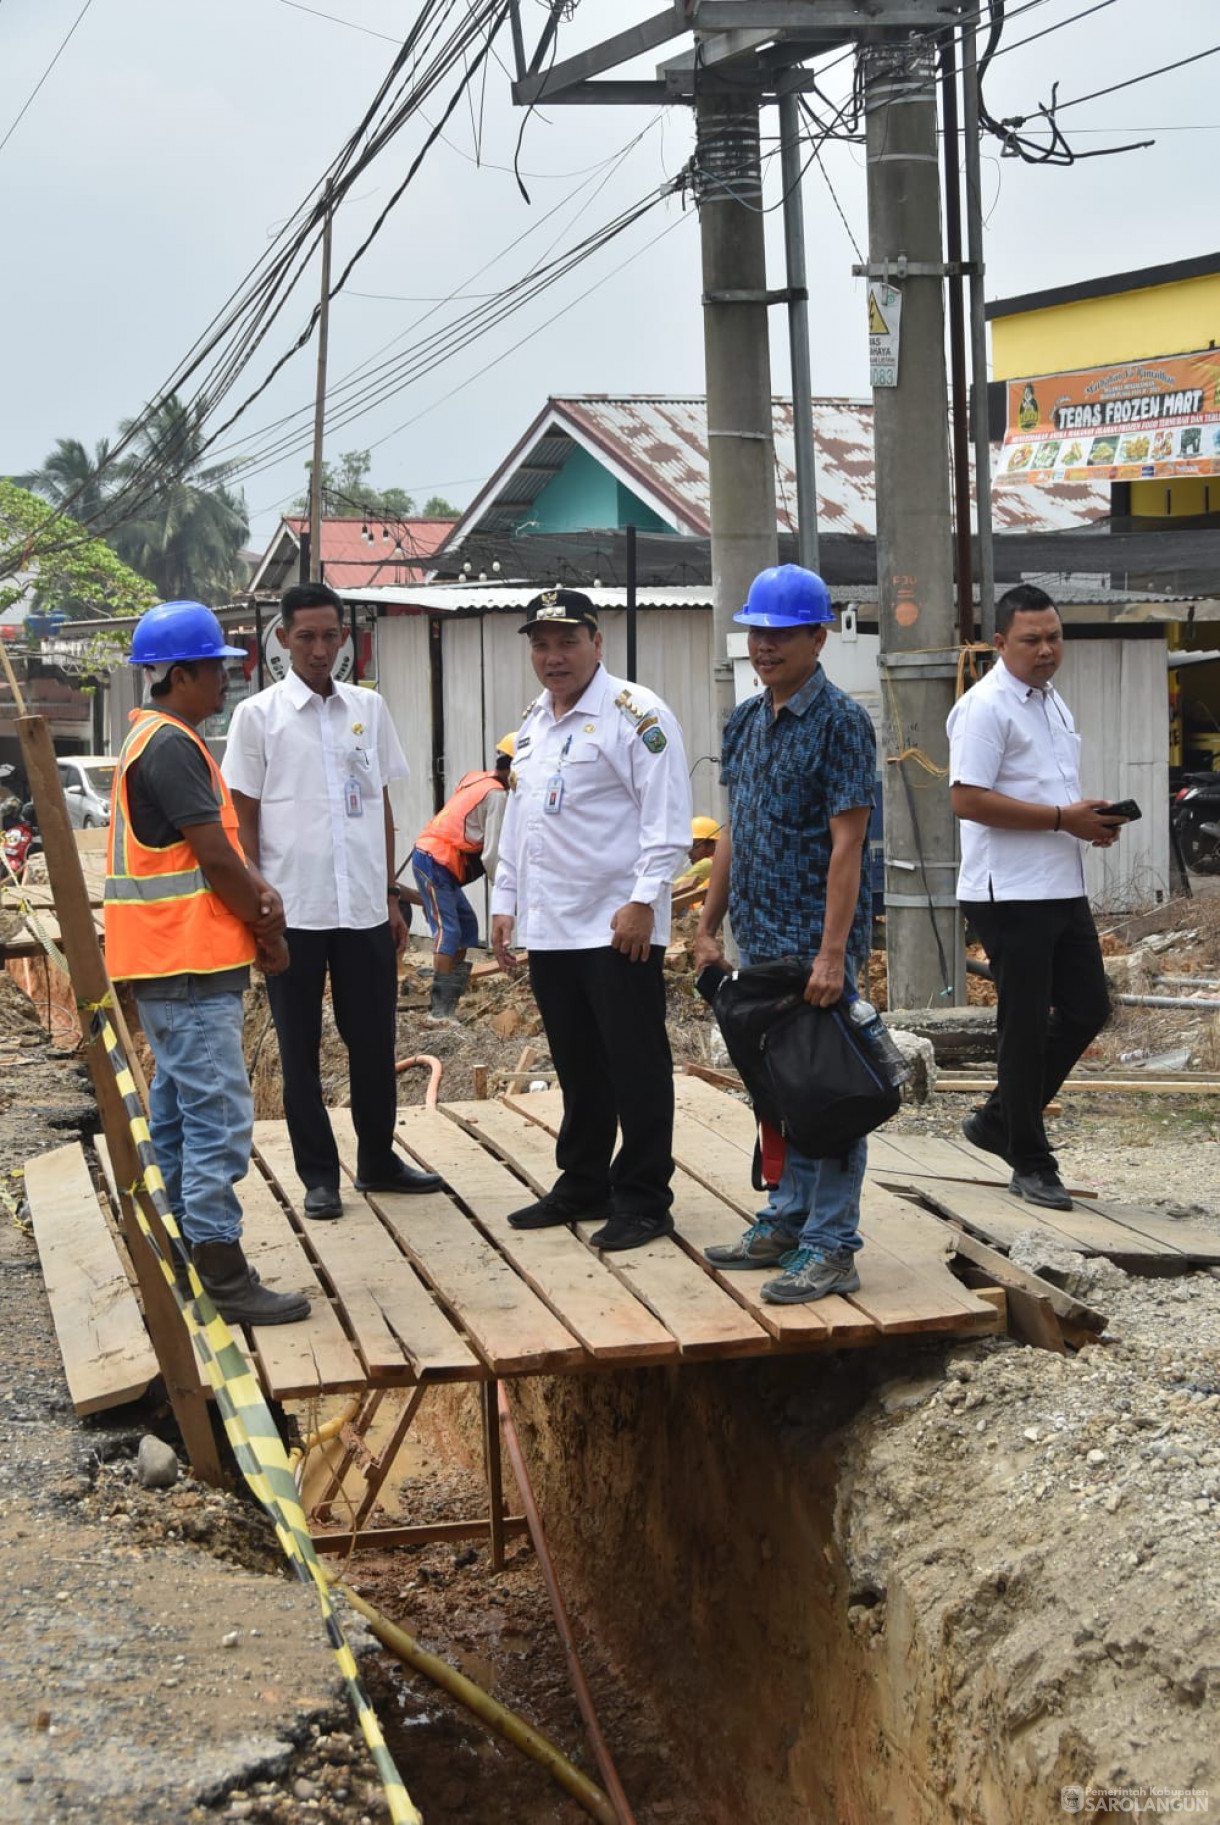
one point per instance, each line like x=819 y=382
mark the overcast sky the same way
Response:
x=173 y=137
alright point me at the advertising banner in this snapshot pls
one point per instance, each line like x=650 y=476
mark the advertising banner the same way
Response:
x=1134 y=421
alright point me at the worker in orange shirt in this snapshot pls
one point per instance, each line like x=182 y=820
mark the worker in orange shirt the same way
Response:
x=459 y=846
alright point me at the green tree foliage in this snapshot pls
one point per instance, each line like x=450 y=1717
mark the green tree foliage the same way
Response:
x=436 y=507
x=188 y=527
x=71 y=478
x=77 y=575
x=166 y=515
x=348 y=494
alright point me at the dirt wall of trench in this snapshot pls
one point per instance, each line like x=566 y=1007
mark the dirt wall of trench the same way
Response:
x=819 y=1646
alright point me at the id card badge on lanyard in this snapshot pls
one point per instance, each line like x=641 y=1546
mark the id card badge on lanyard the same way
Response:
x=552 y=797
x=353 y=798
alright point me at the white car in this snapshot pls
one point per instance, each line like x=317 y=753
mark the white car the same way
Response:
x=87 y=780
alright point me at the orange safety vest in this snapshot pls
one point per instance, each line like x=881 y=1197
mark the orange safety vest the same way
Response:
x=161 y=916
x=445 y=837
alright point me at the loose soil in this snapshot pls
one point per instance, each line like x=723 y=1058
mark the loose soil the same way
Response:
x=922 y=1582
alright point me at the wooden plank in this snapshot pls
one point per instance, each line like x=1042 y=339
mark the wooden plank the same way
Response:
x=568 y=1277
x=510 y=1327
x=1205 y=1084
x=998 y=1270
x=681 y=1291
x=400 y=1332
x=718 y=1110
x=905 y=1283
x=933 y=1156
x=1200 y=1246
x=310 y=1358
x=107 y=1355
x=702 y=1220
x=999 y=1218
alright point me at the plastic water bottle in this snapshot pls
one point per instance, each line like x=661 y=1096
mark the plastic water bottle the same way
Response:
x=889 y=1059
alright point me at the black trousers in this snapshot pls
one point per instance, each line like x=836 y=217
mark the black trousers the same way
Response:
x=1053 y=1000
x=605 y=1024
x=364 y=993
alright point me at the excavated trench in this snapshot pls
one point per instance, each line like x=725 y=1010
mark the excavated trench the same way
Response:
x=830 y=1595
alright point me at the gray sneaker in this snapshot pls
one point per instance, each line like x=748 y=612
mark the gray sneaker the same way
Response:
x=762 y=1245
x=809 y=1274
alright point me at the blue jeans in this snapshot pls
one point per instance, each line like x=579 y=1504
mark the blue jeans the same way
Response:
x=449 y=913
x=818 y=1201
x=201 y=1111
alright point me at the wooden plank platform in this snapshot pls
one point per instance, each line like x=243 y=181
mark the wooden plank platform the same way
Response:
x=314 y=1357
x=107 y=1356
x=567 y=1276
x=510 y=1327
x=998 y=1218
x=397 y=1327
x=439 y=1287
x=905 y=1282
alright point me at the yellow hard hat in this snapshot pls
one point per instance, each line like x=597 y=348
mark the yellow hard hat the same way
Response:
x=704 y=830
x=507 y=745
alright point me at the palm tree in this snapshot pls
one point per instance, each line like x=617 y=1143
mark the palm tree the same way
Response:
x=72 y=479
x=186 y=525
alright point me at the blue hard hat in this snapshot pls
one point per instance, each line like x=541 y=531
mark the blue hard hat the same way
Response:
x=179 y=630
x=786 y=596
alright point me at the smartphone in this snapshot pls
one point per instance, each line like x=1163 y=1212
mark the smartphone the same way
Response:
x=1126 y=807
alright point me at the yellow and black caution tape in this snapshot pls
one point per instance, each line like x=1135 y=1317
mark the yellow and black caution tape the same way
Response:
x=251 y=1430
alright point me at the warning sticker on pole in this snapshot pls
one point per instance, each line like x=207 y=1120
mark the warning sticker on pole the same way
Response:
x=884 y=324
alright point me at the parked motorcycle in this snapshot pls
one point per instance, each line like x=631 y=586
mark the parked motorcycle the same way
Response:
x=1195 y=814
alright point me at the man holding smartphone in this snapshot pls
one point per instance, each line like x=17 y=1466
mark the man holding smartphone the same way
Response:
x=1014 y=772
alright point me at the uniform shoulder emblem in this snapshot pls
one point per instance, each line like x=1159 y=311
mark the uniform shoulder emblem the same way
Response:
x=529 y=709
x=654 y=739
x=626 y=705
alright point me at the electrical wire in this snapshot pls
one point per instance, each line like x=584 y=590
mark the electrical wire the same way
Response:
x=26 y=105
x=239 y=328
x=1132 y=81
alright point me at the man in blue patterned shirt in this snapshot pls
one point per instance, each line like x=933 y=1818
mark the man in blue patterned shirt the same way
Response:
x=792 y=872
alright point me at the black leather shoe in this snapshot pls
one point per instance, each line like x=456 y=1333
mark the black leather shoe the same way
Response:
x=981 y=1132
x=323 y=1201
x=1041 y=1186
x=549 y=1212
x=403 y=1178
x=632 y=1229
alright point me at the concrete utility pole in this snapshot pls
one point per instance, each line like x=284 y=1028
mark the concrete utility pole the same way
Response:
x=978 y=328
x=319 y=410
x=914 y=554
x=741 y=450
x=798 y=331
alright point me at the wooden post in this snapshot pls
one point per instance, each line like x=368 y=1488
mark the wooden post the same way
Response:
x=495 y=1478
x=91 y=984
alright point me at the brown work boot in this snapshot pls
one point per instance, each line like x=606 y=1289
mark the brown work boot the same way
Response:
x=236 y=1290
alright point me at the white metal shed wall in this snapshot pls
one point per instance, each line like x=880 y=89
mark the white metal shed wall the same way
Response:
x=1116 y=688
x=403 y=680
x=1118 y=694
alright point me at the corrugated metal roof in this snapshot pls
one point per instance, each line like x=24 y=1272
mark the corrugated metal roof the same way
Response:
x=1083 y=603
x=659 y=447
x=394 y=551
x=451 y=598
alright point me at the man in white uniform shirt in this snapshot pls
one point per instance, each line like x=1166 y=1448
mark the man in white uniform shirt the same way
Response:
x=308 y=762
x=597 y=825
x=1014 y=771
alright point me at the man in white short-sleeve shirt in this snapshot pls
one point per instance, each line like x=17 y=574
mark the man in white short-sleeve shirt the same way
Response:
x=1014 y=772
x=598 y=820
x=309 y=762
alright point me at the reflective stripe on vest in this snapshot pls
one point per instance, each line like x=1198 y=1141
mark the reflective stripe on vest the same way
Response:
x=445 y=837
x=162 y=917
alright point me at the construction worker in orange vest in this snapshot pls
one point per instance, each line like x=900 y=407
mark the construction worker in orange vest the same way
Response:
x=457 y=847
x=185 y=916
